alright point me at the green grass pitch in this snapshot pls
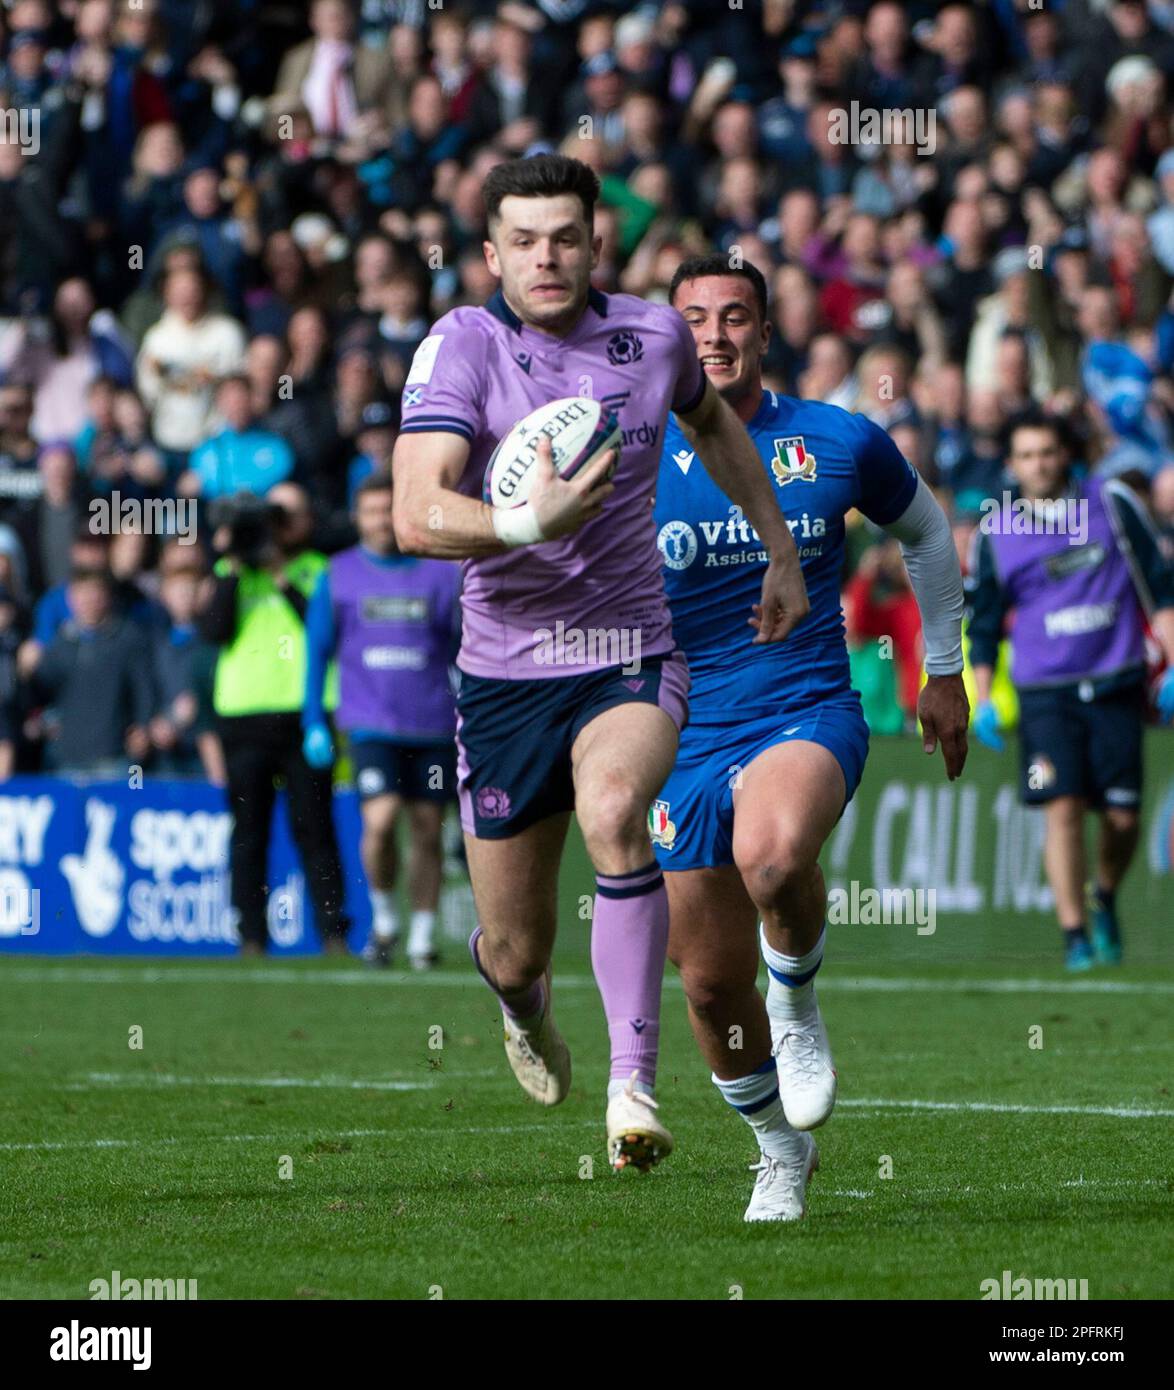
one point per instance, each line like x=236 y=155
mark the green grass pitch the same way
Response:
x=420 y=1172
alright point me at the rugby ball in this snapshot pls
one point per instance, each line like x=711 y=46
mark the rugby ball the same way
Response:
x=579 y=430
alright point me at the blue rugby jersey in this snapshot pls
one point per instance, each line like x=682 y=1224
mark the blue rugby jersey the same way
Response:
x=822 y=461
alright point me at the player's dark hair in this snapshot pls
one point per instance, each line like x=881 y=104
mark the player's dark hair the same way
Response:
x=705 y=267
x=541 y=176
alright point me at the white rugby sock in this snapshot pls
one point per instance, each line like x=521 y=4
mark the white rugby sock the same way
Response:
x=756 y=1099
x=791 y=992
x=384 y=914
x=420 y=933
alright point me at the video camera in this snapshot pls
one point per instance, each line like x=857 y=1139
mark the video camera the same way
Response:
x=253 y=525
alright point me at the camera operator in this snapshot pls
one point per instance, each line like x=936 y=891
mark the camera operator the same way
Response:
x=257 y=616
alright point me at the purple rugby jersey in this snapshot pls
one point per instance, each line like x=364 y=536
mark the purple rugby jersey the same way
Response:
x=395 y=626
x=1077 y=615
x=477 y=374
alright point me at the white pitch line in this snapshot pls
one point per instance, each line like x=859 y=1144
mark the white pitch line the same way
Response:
x=412 y=1133
x=323 y=1082
x=408 y=1134
x=979 y=1106
x=283 y=975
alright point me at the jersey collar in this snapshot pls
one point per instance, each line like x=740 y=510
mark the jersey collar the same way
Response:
x=771 y=400
x=498 y=307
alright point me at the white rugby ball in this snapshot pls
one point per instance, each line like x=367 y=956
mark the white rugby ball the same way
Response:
x=579 y=430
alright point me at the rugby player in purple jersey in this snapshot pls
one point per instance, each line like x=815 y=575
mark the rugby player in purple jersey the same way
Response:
x=572 y=693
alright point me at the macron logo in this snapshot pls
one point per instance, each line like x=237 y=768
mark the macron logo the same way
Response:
x=683 y=458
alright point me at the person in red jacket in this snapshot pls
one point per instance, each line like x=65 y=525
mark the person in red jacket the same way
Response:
x=878 y=602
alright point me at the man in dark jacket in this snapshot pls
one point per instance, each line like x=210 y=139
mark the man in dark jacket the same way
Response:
x=98 y=686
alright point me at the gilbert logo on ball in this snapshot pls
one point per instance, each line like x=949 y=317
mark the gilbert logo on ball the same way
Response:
x=579 y=430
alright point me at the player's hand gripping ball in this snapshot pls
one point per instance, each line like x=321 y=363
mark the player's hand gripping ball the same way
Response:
x=579 y=430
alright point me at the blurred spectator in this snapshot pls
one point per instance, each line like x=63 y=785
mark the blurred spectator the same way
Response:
x=11 y=637
x=224 y=242
x=183 y=357
x=61 y=356
x=878 y=603
x=375 y=440
x=338 y=81
x=182 y=729
x=93 y=677
x=240 y=457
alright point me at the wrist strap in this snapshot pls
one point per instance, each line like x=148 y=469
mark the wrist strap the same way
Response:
x=515 y=526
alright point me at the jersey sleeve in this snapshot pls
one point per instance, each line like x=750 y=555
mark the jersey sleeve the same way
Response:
x=690 y=381
x=319 y=648
x=886 y=482
x=445 y=386
x=1152 y=575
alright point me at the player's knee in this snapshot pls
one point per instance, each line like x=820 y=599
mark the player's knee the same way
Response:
x=1066 y=812
x=1122 y=820
x=379 y=818
x=774 y=867
x=426 y=834
x=614 y=817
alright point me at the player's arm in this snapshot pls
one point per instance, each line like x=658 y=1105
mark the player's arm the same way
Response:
x=317 y=744
x=988 y=610
x=720 y=441
x=1152 y=575
x=320 y=641
x=1152 y=578
x=432 y=518
x=931 y=560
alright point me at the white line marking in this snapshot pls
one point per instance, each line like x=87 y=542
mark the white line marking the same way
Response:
x=411 y=1133
x=406 y=1134
x=1119 y=1112
x=325 y=1082
x=232 y=974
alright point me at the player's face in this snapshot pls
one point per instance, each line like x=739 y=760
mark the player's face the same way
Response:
x=731 y=339
x=373 y=519
x=543 y=252
x=1037 y=462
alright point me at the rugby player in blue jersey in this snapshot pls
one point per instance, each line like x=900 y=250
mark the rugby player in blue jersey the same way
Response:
x=776 y=740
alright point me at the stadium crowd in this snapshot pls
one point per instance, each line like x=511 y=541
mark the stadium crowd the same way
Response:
x=225 y=227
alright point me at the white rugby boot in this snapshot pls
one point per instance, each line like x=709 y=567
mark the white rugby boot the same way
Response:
x=780 y=1190
x=537 y=1054
x=807 y=1075
x=635 y=1136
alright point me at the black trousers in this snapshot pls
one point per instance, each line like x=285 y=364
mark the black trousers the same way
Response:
x=257 y=749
